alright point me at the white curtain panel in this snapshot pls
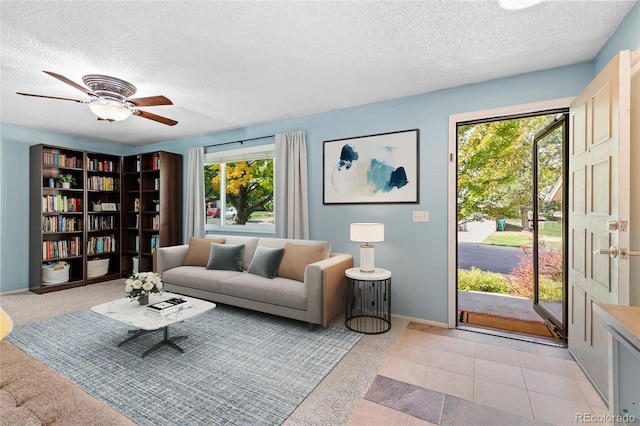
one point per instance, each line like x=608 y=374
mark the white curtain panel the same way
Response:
x=194 y=226
x=292 y=194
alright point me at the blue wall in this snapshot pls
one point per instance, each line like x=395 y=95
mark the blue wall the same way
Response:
x=416 y=253
x=626 y=37
x=14 y=201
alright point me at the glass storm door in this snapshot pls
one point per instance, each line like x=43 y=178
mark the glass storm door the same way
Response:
x=549 y=225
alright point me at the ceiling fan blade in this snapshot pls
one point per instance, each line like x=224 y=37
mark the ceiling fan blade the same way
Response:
x=151 y=101
x=154 y=117
x=50 y=97
x=70 y=83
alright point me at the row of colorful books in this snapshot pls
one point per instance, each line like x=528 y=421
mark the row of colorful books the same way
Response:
x=61 y=203
x=61 y=224
x=100 y=223
x=155 y=242
x=60 y=160
x=101 y=244
x=101 y=165
x=60 y=249
x=101 y=183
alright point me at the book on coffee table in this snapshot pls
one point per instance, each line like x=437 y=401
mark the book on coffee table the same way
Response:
x=168 y=306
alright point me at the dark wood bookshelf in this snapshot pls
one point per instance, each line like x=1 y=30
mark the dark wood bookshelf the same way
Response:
x=127 y=183
x=152 y=207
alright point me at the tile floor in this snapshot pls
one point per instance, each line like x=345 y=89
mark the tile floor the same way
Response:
x=435 y=376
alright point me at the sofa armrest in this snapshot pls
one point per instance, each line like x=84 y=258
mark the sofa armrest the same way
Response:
x=325 y=281
x=171 y=257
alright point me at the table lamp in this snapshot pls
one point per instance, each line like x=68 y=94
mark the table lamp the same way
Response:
x=367 y=233
x=6 y=325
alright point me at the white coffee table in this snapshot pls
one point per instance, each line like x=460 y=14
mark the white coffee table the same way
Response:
x=130 y=312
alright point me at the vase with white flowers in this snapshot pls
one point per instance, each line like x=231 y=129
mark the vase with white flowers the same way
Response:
x=141 y=285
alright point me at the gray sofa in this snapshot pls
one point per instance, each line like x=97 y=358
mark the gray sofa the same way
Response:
x=316 y=298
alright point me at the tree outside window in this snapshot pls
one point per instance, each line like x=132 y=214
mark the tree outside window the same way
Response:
x=240 y=192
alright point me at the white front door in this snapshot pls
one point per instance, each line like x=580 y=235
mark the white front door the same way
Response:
x=599 y=193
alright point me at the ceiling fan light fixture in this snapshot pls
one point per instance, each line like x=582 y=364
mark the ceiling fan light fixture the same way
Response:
x=110 y=111
x=518 y=4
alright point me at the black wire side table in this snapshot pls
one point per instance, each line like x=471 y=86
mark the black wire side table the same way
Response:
x=368 y=301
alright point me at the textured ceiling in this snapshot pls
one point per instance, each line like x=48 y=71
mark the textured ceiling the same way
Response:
x=227 y=65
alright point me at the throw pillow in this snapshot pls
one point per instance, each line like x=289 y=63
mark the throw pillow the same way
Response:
x=198 y=252
x=296 y=258
x=226 y=256
x=266 y=261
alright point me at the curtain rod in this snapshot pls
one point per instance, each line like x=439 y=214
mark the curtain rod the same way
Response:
x=241 y=141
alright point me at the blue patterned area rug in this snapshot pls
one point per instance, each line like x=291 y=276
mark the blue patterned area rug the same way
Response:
x=238 y=367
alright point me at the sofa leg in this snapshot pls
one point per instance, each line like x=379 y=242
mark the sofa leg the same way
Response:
x=311 y=326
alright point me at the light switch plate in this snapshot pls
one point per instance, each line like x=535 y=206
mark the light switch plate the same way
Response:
x=420 y=216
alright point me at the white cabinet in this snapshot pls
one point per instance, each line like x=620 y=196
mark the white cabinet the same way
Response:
x=623 y=325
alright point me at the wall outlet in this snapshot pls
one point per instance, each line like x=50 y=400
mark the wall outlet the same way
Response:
x=420 y=216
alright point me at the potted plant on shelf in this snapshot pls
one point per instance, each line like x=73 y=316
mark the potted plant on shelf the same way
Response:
x=66 y=180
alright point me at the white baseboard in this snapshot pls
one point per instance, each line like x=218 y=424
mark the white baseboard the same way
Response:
x=14 y=291
x=422 y=321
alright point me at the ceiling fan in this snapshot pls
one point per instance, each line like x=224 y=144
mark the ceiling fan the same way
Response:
x=110 y=98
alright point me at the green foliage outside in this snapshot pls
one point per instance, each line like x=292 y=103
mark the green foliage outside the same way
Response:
x=495 y=169
x=550 y=289
x=508 y=239
x=479 y=280
x=524 y=239
x=551 y=229
x=491 y=282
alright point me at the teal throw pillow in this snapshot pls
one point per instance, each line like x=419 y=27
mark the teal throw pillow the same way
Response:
x=226 y=256
x=266 y=261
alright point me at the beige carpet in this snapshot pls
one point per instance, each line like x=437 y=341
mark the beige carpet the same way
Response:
x=28 y=401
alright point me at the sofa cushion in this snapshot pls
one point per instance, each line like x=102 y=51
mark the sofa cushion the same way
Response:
x=198 y=252
x=282 y=242
x=266 y=261
x=226 y=256
x=250 y=244
x=277 y=291
x=199 y=278
x=296 y=258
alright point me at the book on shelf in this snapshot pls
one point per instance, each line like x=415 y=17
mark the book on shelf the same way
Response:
x=60 y=249
x=155 y=164
x=168 y=306
x=60 y=160
x=155 y=242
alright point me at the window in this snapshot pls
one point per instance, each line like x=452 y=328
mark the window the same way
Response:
x=239 y=189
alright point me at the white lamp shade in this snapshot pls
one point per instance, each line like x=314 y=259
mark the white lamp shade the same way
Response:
x=367 y=232
x=109 y=111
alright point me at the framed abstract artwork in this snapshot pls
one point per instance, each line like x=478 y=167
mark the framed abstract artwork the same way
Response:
x=371 y=169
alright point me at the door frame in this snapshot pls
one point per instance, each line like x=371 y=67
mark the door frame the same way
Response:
x=495 y=113
x=560 y=325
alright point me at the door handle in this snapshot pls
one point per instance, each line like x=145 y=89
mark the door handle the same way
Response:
x=611 y=251
x=624 y=253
